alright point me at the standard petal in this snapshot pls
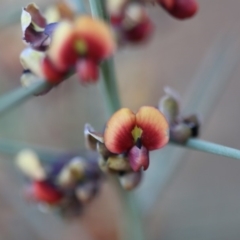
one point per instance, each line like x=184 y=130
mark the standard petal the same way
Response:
x=118 y=133
x=155 y=128
x=61 y=51
x=138 y=158
x=97 y=35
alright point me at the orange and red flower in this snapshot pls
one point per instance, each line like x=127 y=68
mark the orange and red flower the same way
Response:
x=136 y=134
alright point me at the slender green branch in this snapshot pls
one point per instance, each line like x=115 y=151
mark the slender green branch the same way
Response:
x=11 y=148
x=132 y=224
x=16 y=97
x=209 y=147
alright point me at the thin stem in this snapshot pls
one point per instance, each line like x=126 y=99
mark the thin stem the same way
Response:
x=209 y=147
x=16 y=97
x=11 y=148
x=132 y=224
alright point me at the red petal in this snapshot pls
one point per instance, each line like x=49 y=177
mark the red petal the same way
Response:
x=138 y=158
x=87 y=71
x=117 y=136
x=154 y=126
x=97 y=35
x=182 y=8
x=52 y=74
x=44 y=192
x=61 y=51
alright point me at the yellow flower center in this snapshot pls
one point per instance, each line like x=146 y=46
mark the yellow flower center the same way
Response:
x=136 y=133
x=80 y=46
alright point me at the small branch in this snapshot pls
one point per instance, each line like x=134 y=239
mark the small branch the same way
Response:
x=209 y=147
x=16 y=97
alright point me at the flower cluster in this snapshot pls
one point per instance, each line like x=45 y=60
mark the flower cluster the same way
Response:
x=127 y=139
x=181 y=127
x=64 y=185
x=57 y=50
x=132 y=23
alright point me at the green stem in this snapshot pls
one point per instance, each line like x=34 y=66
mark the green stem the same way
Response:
x=209 y=147
x=11 y=148
x=16 y=97
x=132 y=224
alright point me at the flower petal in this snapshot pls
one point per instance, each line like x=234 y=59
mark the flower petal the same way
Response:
x=130 y=180
x=117 y=136
x=33 y=25
x=85 y=192
x=44 y=192
x=180 y=133
x=181 y=9
x=51 y=73
x=29 y=163
x=62 y=52
x=92 y=137
x=169 y=105
x=97 y=35
x=31 y=60
x=138 y=158
x=118 y=163
x=154 y=126
x=87 y=71
x=32 y=15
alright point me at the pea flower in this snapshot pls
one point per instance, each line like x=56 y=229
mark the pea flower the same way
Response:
x=111 y=163
x=134 y=135
x=64 y=185
x=181 y=128
x=130 y=21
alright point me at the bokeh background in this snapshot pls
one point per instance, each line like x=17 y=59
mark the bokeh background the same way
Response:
x=185 y=195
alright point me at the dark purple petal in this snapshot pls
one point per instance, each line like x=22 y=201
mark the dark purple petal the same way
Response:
x=138 y=158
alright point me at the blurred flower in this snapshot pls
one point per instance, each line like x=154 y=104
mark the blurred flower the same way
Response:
x=85 y=39
x=36 y=31
x=130 y=21
x=111 y=163
x=60 y=49
x=181 y=128
x=180 y=9
x=63 y=185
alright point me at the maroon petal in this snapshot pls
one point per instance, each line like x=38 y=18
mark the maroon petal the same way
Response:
x=181 y=9
x=33 y=25
x=138 y=158
x=87 y=71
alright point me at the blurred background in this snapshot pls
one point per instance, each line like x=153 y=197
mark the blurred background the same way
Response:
x=185 y=194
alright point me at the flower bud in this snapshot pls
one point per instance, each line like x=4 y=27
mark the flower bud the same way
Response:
x=130 y=180
x=180 y=133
